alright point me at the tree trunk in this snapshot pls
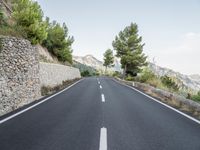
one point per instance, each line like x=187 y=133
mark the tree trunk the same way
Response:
x=124 y=71
x=105 y=70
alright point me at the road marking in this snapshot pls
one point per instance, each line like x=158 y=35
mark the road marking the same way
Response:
x=99 y=82
x=22 y=111
x=100 y=87
x=102 y=98
x=103 y=139
x=187 y=116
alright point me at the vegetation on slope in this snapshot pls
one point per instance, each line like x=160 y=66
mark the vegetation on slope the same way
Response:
x=85 y=70
x=27 y=22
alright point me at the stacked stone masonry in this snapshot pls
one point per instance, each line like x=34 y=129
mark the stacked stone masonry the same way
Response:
x=19 y=74
x=22 y=75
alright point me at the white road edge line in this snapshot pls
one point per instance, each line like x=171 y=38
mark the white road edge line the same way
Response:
x=100 y=87
x=187 y=116
x=102 y=98
x=22 y=111
x=103 y=139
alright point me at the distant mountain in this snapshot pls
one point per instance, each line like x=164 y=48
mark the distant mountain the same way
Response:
x=91 y=61
x=191 y=82
x=195 y=77
x=83 y=67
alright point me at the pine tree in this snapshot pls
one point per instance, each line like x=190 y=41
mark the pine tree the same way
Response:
x=129 y=47
x=108 y=58
x=28 y=15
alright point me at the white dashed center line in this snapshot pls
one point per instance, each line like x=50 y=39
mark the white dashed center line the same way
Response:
x=103 y=139
x=100 y=87
x=102 y=98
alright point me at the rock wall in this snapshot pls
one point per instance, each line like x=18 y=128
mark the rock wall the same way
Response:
x=53 y=74
x=22 y=75
x=19 y=74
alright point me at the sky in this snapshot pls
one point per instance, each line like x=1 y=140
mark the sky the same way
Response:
x=170 y=28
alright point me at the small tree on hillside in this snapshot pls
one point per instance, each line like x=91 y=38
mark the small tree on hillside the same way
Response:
x=28 y=15
x=108 y=58
x=58 y=41
x=129 y=47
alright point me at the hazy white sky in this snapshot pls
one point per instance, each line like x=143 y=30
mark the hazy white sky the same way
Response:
x=170 y=29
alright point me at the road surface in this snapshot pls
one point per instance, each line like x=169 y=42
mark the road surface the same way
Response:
x=100 y=114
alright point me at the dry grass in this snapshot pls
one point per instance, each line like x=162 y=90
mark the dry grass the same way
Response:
x=46 y=90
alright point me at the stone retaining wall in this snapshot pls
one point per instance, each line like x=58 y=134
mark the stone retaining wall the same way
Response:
x=54 y=74
x=19 y=74
x=22 y=76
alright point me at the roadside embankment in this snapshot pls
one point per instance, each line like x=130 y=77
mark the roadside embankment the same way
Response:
x=174 y=100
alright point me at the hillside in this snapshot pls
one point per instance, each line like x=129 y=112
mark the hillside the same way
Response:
x=186 y=82
x=91 y=61
x=189 y=82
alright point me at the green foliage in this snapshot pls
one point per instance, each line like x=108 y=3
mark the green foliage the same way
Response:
x=28 y=15
x=1 y=46
x=117 y=74
x=12 y=30
x=129 y=47
x=196 y=97
x=129 y=78
x=58 y=42
x=108 y=58
x=2 y=18
x=169 y=83
x=85 y=70
x=85 y=73
x=147 y=75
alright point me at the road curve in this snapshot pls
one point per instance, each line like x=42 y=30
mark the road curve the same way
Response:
x=100 y=114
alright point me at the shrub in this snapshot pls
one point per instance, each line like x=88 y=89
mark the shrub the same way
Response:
x=1 y=46
x=13 y=30
x=28 y=15
x=196 y=97
x=85 y=73
x=147 y=75
x=117 y=74
x=169 y=83
x=2 y=17
x=129 y=78
x=58 y=42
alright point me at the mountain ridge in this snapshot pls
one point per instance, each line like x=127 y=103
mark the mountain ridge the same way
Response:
x=191 y=82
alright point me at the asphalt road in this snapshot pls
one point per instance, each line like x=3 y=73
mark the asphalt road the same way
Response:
x=100 y=114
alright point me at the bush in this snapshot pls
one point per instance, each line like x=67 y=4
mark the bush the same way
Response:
x=13 y=30
x=196 y=97
x=28 y=15
x=169 y=83
x=58 y=42
x=129 y=78
x=147 y=75
x=2 y=18
x=117 y=74
x=1 y=46
x=85 y=73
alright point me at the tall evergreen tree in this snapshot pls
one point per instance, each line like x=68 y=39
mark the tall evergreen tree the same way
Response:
x=108 y=58
x=129 y=47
